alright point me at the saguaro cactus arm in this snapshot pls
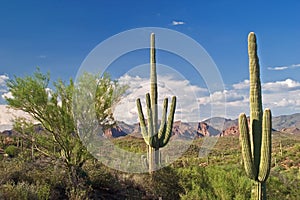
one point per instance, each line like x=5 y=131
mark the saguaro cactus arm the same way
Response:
x=246 y=146
x=163 y=126
x=266 y=146
x=168 y=132
x=142 y=121
x=147 y=134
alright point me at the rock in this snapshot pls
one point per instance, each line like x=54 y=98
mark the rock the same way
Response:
x=231 y=131
x=114 y=132
x=291 y=130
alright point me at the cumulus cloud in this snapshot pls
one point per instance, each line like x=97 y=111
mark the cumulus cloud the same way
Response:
x=7 y=95
x=176 y=23
x=196 y=103
x=3 y=88
x=3 y=79
x=281 y=94
x=241 y=85
x=187 y=108
x=281 y=86
x=279 y=68
x=283 y=97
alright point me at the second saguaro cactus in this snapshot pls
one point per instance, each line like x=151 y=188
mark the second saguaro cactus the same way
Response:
x=155 y=137
x=256 y=139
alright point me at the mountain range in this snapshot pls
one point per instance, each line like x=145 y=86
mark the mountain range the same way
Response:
x=216 y=126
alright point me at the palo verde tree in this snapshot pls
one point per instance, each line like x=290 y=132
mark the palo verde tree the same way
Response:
x=53 y=109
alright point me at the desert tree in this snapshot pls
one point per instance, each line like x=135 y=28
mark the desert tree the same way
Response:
x=53 y=109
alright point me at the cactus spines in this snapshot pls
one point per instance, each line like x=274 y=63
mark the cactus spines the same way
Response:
x=256 y=139
x=155 y=137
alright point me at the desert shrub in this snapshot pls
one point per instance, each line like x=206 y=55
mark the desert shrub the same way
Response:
x=11 y=151
x=195 y=183
x=15 y=171
x=163 y=183
x=101 y=176
x=214 y=183
x=24 y=191
x=283 y=185
x=229 y=182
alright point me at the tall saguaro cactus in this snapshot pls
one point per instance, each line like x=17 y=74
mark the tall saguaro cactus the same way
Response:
x=256 y=139
x=155 y=137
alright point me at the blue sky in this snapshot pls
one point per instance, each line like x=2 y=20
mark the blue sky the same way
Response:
x=57 y=36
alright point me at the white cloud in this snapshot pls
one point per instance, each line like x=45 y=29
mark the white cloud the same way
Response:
x=7 y=95
x=3 y=79
x=196 y=103
x=283 y=94
x=279 y=68
x=3 y=88
x=8 y=115
x=187 y=108
x=283 y=97
x=241 y=85
x=281 y=86
x=176 y=23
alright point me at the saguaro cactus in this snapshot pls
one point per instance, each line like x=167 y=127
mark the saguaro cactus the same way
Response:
x=155 y=138
x=256 y=139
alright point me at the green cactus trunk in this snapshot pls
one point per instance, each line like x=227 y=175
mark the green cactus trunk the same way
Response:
x=153 y=152
x=256 y=139
x=155 y=138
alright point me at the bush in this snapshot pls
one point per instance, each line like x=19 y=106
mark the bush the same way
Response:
x=195 y=183
x=214 y=183
x=283 y=185
x=229 y=182
x=161 y=184
x=11 y=151
x=24 y=191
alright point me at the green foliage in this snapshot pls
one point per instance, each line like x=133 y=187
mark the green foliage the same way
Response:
x=163 y=183
x=24 y=191
x=284 y=185
x=93 y=102
x=222 y=178
x=108 y=94
x=195 y=183
x=130 y=144
x=229 y=183
x=11 y=151
x=214 y=183
x=53 y=109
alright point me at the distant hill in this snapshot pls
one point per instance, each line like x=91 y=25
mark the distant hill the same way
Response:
x=286 y=121
x=215 y=126
x=221 y=123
